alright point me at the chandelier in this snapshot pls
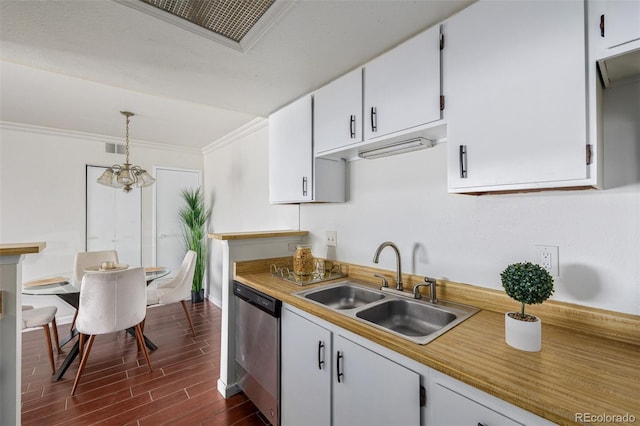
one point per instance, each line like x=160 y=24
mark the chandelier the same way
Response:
x=125 y=176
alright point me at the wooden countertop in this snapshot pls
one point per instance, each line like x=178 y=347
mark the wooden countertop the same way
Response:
x=21 y=248
x=257 y=234
x=574 y=373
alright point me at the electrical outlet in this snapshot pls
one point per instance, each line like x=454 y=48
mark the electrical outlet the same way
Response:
x=547 y=257
x=332 y=238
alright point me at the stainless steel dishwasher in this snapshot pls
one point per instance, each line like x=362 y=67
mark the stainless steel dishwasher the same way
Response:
x=258 y=349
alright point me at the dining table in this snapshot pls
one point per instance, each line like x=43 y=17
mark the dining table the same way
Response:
x=69 y=292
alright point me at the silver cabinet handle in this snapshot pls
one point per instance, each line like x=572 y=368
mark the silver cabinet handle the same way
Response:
x=352 y=126
x=463 y=161
x=304 y=185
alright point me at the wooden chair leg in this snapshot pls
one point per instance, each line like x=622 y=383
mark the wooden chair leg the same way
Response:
x=143 y=346
x=47 y=336
x=73 y=322
x=81 y=338
x=83 y=362
x=186 y=311
x=54 y=325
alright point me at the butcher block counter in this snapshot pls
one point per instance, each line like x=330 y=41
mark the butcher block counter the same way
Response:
x=589 y=362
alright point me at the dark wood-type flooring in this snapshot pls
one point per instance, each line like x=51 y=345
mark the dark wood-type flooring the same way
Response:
x=116 y=387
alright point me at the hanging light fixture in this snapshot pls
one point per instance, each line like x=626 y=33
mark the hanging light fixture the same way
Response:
x=125 y=176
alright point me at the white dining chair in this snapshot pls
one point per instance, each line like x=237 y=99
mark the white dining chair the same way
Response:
x=176 y=288
x=110 y=302
x=87 y=259
x=41 y=317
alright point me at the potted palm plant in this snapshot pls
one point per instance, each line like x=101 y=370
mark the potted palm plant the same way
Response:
x=528 y=284
x=194 y=216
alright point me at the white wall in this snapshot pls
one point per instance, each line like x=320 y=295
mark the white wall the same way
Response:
x=42 y=191
x=236 y=182
x=458 y=237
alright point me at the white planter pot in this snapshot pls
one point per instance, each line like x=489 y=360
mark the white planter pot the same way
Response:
x=523 y=335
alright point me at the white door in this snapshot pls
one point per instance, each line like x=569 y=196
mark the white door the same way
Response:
x=114 y=219
x=170 y=247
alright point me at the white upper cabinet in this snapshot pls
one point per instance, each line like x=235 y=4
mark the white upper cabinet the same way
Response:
x=295 y=176
x=614 y=29
x=290 y=152
x=402 y=86
x=515 y=86
x=619 y=21
x=338 y=113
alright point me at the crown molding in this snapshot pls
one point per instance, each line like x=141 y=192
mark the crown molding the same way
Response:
x=93 y=137
x=241 y=132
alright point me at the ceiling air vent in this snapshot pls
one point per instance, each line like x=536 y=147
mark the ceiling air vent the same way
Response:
x=114 y=148
x=233 y=23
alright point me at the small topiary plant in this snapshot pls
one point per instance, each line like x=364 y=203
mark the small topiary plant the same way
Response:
x=528 y=284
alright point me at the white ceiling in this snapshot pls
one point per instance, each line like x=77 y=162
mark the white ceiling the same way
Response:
x=74 y=64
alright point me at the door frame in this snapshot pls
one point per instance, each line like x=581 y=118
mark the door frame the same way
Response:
x=154 y=205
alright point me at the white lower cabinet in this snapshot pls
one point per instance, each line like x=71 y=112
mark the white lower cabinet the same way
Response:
x=452 y=402
x=328 y=379
x=305 y=378
x=330 y=376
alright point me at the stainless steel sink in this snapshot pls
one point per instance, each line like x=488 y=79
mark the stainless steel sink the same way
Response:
x=407 y=317
x=397 y=313
x=344 y=296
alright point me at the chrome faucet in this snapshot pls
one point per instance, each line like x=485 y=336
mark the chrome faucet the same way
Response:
x=428 y=282
x=398 y=261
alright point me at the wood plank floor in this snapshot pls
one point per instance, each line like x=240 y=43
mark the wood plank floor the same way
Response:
x=116 y=387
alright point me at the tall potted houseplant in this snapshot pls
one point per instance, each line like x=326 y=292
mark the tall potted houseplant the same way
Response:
x=194 y=216
x=528 y=284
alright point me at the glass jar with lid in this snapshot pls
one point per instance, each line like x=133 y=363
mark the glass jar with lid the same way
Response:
x=303 y=264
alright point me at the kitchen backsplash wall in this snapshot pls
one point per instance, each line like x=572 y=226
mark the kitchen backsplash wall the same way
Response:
x=461 y=238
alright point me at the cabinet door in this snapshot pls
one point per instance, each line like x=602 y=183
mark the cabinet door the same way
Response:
x=305 y=380
x=369 y=389
x=402 y=87
x=621 y=22
x=515 y=89
x=290 y=152
x=337 y=109
x=452 y=408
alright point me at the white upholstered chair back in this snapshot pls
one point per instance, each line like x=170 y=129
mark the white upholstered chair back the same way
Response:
x=175 y=289
x=87 y=259
x=111 y=301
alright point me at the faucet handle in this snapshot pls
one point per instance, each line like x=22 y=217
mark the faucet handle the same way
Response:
x=384 y=280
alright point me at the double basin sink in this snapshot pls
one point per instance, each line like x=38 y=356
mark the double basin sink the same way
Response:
x=416 y=320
